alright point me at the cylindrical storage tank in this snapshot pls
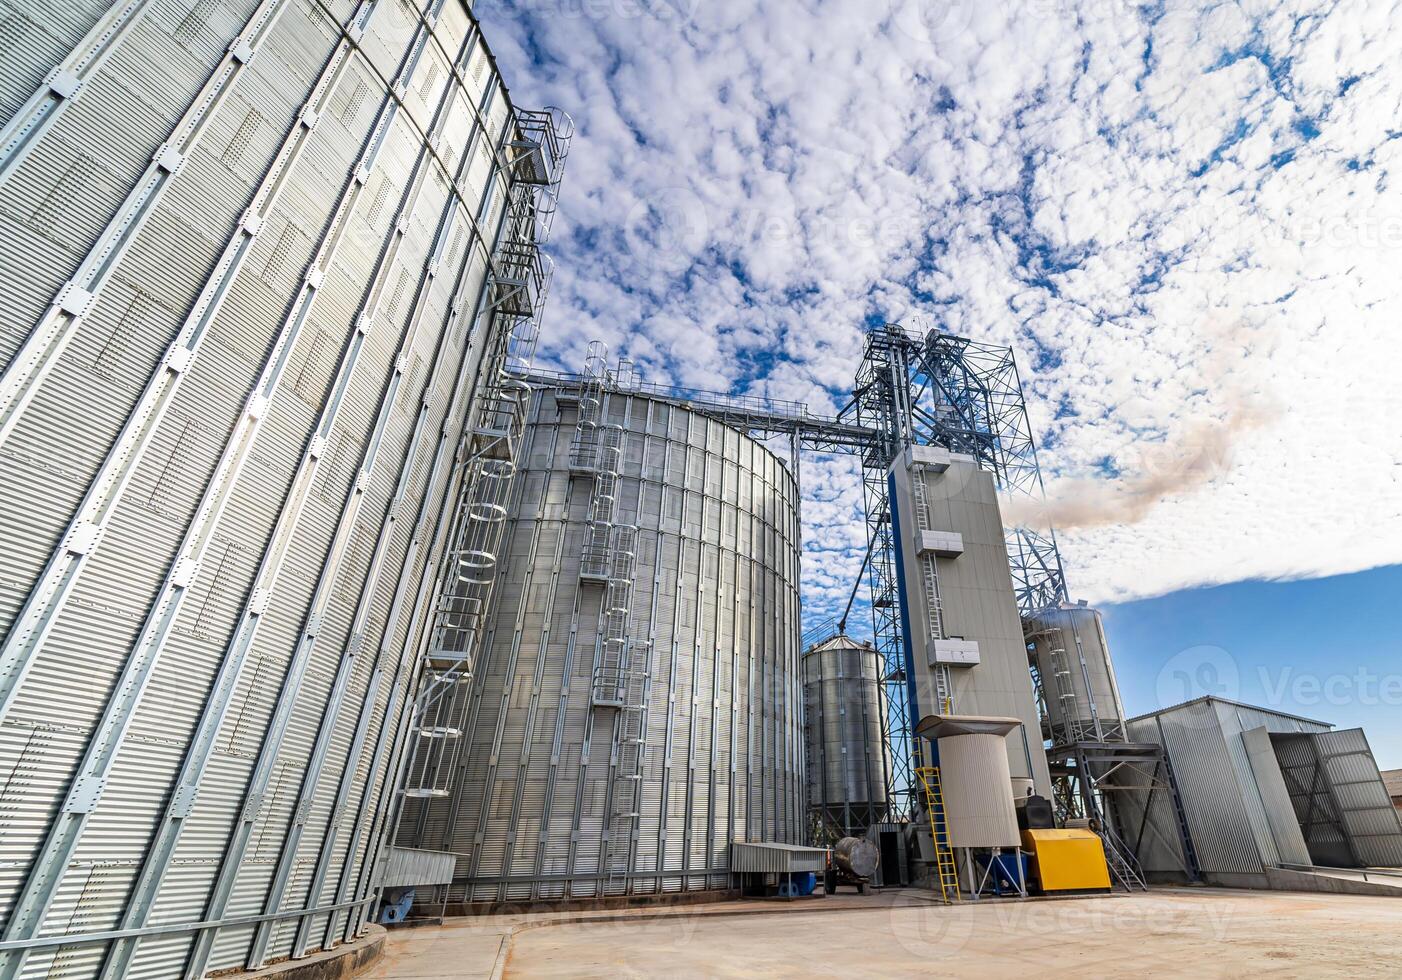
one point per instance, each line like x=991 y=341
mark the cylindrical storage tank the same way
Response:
x=1067 y=646
x=845 y=756
x=244 y=321
x=857 y=856
x=977 y=791
x=568 y=787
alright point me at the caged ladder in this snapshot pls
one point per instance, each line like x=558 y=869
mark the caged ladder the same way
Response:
x=618 y=688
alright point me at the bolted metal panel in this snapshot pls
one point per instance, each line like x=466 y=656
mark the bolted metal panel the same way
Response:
x=235 y=387
x=540 y=804
x=843 y=749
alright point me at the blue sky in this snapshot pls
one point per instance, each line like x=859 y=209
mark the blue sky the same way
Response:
x=1323 y=648
x=1183 y=217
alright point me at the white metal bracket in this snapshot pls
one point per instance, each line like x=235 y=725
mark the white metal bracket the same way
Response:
x=185 y=571
x=182 y=801
x=65 y=84
x=83 y=538
x=168 y=158
x=74 y=299
x=178 y=358
x=86 y=791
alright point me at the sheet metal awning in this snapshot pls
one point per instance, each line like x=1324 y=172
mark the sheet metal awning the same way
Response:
x=768 y=857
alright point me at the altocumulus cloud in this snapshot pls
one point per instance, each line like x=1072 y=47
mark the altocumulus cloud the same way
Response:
x=1182 y=216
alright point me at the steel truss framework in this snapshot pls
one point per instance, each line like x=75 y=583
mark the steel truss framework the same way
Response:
x=935 y=389
x=1091 y=777
x=926 y=388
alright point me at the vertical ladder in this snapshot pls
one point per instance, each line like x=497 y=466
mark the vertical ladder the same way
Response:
x=618 y=688
x=917 y=490
x=934 y=608
x=1065 y=686
x=584 y=448
x=945 y=872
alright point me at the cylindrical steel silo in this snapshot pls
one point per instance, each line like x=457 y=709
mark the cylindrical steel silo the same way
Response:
x=636 y=707
x=1067 y=646
x=845 y=756
x=267 y=264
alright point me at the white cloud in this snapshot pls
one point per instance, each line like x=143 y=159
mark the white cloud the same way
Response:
x=1191 y=208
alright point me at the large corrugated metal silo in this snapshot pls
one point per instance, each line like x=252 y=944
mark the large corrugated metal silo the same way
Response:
x=252 y=304
x=1067 y=646
x=844 y=752
x=636 y=708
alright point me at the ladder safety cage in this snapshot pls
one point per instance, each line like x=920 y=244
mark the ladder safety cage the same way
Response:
x=517 y=285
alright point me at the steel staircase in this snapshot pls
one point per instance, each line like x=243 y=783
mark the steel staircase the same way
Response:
x=1124 y=869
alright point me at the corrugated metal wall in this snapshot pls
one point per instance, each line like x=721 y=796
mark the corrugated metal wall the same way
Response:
x=1073 y=660
x=245 y=251
x=1212 y=799
x=1226 y=815
x=1339 y=798
x=845 y=759
x=715 y=603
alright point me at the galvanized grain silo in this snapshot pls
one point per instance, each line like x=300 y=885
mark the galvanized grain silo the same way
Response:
x=636 y=708
x=844 y=749
x=267 y=265
x=1067 y=647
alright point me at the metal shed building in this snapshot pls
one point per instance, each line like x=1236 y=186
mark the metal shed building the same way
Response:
x=1261 y=789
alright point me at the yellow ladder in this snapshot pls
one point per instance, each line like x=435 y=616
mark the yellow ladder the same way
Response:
x=939 y=833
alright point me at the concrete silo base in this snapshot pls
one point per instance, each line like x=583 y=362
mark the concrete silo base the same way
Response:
x=665 y=900
x=345 y=961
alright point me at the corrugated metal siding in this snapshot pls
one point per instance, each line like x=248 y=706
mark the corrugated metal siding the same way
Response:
x=1289 y=844
x=410 y=866
x=1212 y=800
x=843 y=750
x=776 y=858
x=1314 y=806
x=715 y=595
x=227 y=665
x=1369 y=819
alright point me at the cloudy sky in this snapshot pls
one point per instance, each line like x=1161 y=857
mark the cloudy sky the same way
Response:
x=1183 y=217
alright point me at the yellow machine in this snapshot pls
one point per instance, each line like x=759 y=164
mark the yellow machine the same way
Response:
x=1067 y=860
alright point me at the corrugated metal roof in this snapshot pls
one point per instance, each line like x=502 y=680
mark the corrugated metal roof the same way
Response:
x=1392 y=779
x=1239 y=704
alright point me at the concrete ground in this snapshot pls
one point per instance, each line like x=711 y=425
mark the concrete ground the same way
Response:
x=1199 y=932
